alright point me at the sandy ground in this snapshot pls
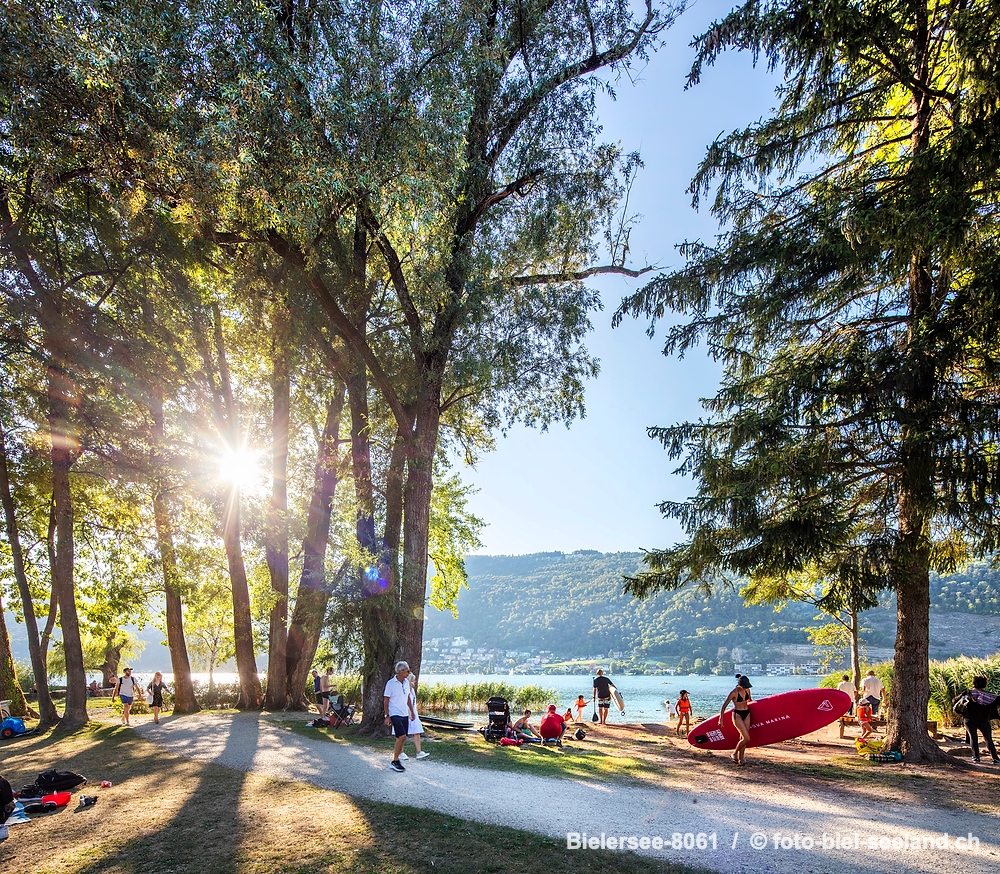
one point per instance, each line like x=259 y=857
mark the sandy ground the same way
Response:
x=757 y=819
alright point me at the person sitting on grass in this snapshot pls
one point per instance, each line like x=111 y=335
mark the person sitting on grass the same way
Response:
x=553 y=726
x=523 y=729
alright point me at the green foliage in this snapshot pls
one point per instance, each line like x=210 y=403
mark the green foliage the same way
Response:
x=217 y=696
x=25 y=676
x=974 y=589
x=454 y=533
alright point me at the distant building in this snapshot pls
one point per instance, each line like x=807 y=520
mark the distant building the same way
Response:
x=748 y=669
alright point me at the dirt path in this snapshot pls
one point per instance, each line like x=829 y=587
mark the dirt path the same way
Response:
x=753 y=820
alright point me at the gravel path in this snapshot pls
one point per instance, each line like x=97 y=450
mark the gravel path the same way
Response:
x=793 y=826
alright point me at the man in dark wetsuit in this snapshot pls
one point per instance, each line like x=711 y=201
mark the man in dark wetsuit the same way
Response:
x=602 y=694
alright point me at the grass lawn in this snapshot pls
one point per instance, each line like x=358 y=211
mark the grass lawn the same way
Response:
x=165 y=813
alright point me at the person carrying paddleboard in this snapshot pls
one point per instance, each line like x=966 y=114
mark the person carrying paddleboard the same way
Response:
x=602 y=694
x=741 y=698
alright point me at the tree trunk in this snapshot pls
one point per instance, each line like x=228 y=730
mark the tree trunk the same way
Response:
x=10 y=689
x=313 y=593
x=46 y=709
x=63 y=449
x=416 y=530
x=910 y=692
x=228 y=421
x=276 y=542
x=180 y=663
x=855 y=650
x=251 y=692
x=379 y=613
x=112 y=659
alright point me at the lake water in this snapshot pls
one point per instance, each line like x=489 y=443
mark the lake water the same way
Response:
x=643 y=696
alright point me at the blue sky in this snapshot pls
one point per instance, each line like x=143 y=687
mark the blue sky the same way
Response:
x=596 y=484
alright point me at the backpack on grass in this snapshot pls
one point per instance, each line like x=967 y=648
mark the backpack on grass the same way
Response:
x=53 y=780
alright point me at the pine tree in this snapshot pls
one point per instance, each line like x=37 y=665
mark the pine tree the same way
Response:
x=852 y=300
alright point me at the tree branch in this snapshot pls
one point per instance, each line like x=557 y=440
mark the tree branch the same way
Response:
x=575 y=276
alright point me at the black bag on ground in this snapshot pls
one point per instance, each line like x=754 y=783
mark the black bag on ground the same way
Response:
x=58 y=781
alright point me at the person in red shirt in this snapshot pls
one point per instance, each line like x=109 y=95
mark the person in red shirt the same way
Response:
x=553 y=726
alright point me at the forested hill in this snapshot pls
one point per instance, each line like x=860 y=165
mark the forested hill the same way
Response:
x=573 y=605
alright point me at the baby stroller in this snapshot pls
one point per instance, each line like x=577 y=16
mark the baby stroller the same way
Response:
x=341 y=713
x=499 y=719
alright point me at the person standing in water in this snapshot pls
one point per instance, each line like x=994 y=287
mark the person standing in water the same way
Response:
x=741 y=698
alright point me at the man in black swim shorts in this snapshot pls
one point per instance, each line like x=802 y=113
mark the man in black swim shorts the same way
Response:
x=602 y=694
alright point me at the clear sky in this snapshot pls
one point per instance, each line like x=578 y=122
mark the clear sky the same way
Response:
x=596 y=484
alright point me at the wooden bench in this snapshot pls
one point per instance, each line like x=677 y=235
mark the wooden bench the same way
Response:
x=879 y=722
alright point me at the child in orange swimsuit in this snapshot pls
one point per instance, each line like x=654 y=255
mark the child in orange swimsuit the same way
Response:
x=683 y=707
x=865 y=718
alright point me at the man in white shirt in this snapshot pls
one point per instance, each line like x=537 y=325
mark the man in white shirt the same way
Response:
x=846 y=686
x=873 y=691
x=397 y=705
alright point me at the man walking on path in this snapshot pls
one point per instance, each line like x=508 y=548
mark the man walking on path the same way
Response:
x=397 y=705
x=602 y=694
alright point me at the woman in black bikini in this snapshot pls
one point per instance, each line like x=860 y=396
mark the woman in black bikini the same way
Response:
x=741 y=698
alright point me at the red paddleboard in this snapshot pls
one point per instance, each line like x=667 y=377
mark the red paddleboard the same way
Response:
x=774 y=719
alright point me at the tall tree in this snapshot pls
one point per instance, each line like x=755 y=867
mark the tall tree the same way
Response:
x=229 y=425
x=46 y=709
x=852 y=300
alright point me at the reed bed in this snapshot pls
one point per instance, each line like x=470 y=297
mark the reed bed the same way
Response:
x=457 y=697
x=951 y=678
x=472 y=697
x=948 y=680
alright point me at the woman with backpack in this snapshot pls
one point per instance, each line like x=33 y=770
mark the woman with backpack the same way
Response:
x=980 y=708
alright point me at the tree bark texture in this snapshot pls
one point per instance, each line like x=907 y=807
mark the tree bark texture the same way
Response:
x=63 y=450
x=180 y=663
x=276 y=545
x=313 y=593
